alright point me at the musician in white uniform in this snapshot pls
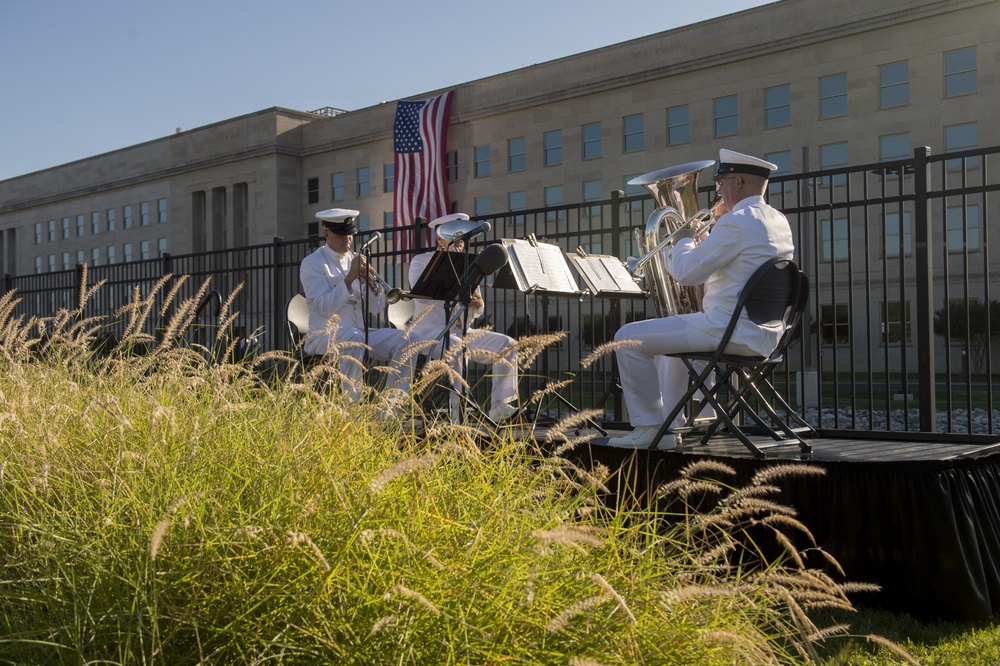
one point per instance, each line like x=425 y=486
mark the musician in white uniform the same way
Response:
x=334 y=280
x=750 y=233
x=484 y=347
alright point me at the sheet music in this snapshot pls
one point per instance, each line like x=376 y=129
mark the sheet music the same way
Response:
x=604 y=273
x=543 y=266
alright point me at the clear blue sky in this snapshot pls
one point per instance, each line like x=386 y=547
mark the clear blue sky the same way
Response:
x=84 y=77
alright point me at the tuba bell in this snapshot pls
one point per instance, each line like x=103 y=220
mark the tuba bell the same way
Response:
x=675 y=192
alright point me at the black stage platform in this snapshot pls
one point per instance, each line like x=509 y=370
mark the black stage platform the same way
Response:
x=919 y=516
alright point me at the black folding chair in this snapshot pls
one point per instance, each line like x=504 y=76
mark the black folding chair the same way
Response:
x=776 y=292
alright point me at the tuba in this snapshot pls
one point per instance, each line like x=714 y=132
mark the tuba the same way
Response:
x=675 y=192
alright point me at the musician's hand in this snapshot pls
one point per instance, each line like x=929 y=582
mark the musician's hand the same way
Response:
x=358 y=264
x=476 y=301
x=684 y=232
x=700 y=231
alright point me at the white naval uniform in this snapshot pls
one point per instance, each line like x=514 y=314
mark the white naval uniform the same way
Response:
x=483 y=348
x=740 y=242
x=323 y=274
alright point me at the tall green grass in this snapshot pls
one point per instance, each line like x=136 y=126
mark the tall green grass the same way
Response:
x=164 y=508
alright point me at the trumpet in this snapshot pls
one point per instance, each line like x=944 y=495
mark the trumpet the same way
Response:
x=378 y=285
x=702 y=216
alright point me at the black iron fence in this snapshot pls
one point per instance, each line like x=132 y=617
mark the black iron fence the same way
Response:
x=903 y=317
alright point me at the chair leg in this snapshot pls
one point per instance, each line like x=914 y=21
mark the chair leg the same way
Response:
x=750 y=386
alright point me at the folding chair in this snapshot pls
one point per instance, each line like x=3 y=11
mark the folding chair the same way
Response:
x=400 y=313
x=777 y=291
x=297 y=320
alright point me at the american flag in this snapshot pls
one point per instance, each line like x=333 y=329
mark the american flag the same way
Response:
x=420 y=134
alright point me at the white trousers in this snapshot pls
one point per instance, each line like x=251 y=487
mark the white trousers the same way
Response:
x=386 y=345
x=653 y=384
x=485 y=347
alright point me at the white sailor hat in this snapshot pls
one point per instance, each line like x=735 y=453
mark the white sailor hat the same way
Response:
x=437 y=222
x=731 y=161
x=339 y=220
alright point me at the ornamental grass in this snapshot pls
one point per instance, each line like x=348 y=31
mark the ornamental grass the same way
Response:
x=161 y=503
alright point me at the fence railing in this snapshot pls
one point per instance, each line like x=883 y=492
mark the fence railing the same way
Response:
x=903 y=315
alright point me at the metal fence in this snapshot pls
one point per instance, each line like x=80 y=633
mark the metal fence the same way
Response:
x=902 y=320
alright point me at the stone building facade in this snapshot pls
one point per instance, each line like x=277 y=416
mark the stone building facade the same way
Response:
x=808 y=84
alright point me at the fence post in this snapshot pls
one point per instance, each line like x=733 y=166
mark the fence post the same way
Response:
x=925 y=291
x=278 y=296
x=617 y=311
x=81 y=288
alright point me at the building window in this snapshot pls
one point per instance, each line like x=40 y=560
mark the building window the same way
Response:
x=111 y=219
x=389 y=177
x=161 y=209
x=894 y=147
x=483 y=206
x=960 y=72
x=95 y=257
x=553 y=147
x=591 y=141
x=517 y=201
x=835 y=326
x=554 y=197
x=452 y=166
x=81 y=257
x=387 y=220
x=52 y=231
x=835 y=242
x=778 y=106
x=38 y=233
x=364 y=222
x=481 y=161
x=111 y=254
x=144 y=214
x=337 y=186
x=126 y=217
x=633 y=207
x=633 y=135
x=894 y=84
x=52 y=263
x=783 y=160
x=65 y=228
x=833 y=96
x=38 y=264
x=833 y=156
x=65 y=261
x=79 y=225
x=515 y=154
x=144 y=250
x=962 y=228
x=161 y=246
x=898 y=237
x=958 y=138
x=312 y=190
x=127 y=252
x=592 y=191
x=678 y=126
x=726 y=116
x=364 y=181
x=895 y=323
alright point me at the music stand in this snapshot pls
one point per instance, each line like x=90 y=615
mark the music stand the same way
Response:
x=607 y=276
x=540 y=268
x=441 y=281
